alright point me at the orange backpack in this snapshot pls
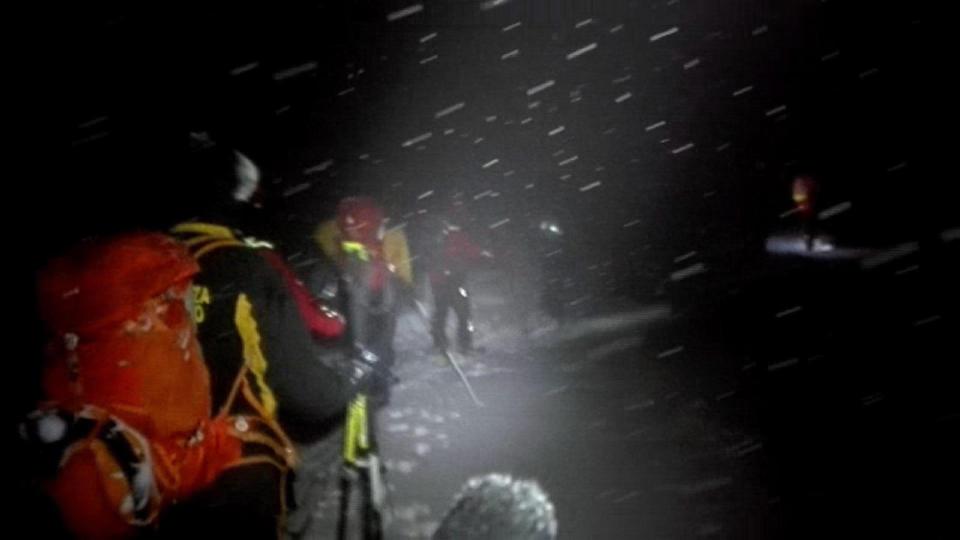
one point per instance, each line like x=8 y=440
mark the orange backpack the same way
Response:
x=124 y=364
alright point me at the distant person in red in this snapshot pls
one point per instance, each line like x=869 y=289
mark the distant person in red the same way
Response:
x=456 y=255
x=804 y=197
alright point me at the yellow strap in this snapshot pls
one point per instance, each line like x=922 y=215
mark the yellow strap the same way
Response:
x=197 y=240
x=284 y=446
x=280 y=443
x=252 y=353
x=208 y=237
x=215 y=245
x=205 y=229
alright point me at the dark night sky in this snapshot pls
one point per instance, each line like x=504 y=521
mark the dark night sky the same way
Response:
x=295 y=86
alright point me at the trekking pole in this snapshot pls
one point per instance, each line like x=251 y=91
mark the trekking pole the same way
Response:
x=463 y=377
x=448 y=355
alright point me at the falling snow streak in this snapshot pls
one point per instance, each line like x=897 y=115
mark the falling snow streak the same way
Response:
x=294 y=71
x=417 y=139
x=835 y=210
x=785 y=364
x=581 y=51
x=590 y=186
x=685 y=256
x=449 y=110
x=889 y=255
x=670 y=352
x=244 y=69
x=490 y=4
x=405 y=12
x=776 y=110
x=830 y=56
x=664 y=34
x=687 y=272
x=540 y=87
x=319 y=168
x=790 y=311
x=290 y=192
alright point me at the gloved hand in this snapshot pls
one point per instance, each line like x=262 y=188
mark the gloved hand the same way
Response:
x=362 y=366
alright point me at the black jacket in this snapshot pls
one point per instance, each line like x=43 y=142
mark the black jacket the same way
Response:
x=245 y=312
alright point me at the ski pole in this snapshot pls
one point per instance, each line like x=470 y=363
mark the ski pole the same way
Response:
x=449 y=356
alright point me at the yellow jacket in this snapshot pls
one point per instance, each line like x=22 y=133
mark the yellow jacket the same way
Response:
x=396 y=251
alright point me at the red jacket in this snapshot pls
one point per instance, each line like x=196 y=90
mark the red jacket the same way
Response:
x=323 y=323
x=458 y=254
